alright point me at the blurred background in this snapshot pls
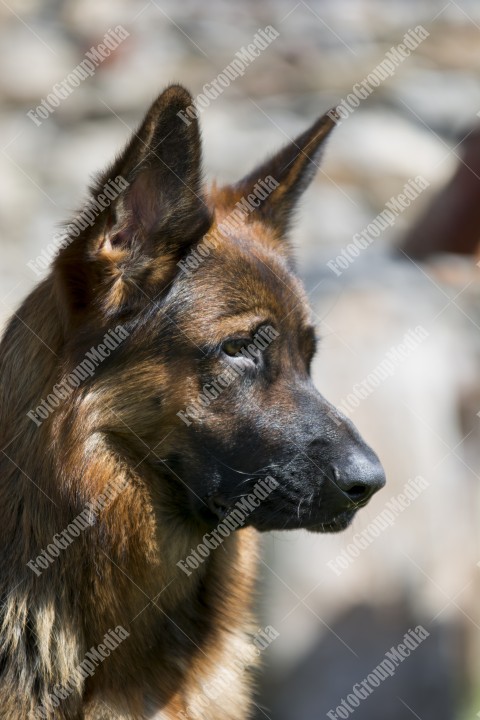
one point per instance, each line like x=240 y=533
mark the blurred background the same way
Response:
x=398 y=312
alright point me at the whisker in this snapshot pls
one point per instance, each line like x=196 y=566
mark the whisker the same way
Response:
x=239 y=472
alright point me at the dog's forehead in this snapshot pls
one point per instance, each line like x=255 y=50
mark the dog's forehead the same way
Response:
x=241 y=277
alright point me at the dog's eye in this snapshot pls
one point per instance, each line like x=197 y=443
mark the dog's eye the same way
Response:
x=233 y=347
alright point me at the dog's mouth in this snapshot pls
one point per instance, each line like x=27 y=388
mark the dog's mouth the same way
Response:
x=336 y=524
x=220 y=508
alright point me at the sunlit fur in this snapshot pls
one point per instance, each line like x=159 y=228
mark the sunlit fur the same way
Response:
x=123 y=423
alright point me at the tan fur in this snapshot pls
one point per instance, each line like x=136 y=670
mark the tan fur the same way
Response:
x=185 y=632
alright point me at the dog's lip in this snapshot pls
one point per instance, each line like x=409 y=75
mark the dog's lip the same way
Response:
x=218 y=505
x=336 y=524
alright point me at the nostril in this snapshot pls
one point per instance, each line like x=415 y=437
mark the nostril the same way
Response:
x=358 y=492
x=357 y=480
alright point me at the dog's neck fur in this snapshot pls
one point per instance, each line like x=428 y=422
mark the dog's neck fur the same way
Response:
x=47 y=632
x=185 y=630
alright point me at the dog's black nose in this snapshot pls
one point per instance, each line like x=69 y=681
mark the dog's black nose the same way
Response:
x=358 y=475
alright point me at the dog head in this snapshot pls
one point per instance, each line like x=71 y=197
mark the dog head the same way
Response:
x=209 y=396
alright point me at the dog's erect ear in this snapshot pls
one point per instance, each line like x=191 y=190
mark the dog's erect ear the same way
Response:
x=162 y=166
x=292 y=168
x=153 y=207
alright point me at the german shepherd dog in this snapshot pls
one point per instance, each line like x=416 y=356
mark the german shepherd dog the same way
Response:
x=154 y=387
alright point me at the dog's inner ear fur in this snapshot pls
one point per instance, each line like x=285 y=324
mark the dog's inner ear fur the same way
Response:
x=150 y=223
x=163 y=202
x=293 y=168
